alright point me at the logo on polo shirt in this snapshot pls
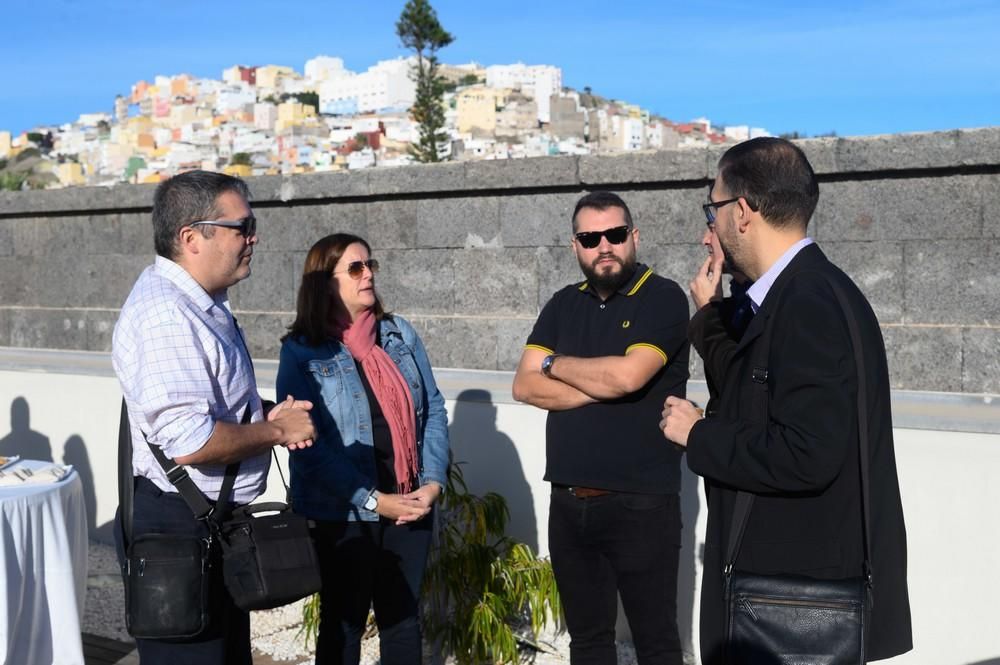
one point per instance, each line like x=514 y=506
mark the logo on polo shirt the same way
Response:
x=626 y=323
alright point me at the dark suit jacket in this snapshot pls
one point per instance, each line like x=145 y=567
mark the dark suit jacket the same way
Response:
x=795 y=446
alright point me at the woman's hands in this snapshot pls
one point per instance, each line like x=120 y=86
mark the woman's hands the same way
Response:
x=410 y=507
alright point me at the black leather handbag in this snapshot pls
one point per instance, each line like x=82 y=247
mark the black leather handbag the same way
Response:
x=797 y=620
x=171 y=580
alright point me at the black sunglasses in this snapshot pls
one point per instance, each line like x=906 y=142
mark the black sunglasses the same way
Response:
x=355 y=269
x=591 y=239
x=246 y=226
x=711 y=207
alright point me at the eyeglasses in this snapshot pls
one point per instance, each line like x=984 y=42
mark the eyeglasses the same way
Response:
x=591 y=239
x=247 y=226
x=355 y=269
x=711 y=207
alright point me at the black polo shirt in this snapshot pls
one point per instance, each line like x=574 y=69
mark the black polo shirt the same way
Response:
x=617 y=445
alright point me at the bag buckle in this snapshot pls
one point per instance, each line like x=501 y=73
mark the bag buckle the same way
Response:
x=176 y=474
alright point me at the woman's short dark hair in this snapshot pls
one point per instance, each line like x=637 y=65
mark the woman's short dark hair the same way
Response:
x=189 y=197
x=602 y=201
x=774 y=177
x=313 y=306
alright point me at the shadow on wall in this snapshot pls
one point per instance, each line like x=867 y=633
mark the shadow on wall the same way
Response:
x=991 y=661
x=75 y=453
x=30 y=444
x=23 y=440
x=492 y=462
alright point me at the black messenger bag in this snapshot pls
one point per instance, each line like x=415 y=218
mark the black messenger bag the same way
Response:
x=171 y=579
x=268 y=560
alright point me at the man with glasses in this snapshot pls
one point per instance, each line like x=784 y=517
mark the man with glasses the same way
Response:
x=786 y=429
x=187 y=378
x=602 y=357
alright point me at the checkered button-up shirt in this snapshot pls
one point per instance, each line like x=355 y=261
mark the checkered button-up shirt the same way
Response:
x=183 y=366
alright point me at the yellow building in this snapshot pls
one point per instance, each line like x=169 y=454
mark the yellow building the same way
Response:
x=4 y=145
x=293 y=114
x=70 y=174
x=477 y=109
x=269 y=76
x=182 y=114
x=238 y=170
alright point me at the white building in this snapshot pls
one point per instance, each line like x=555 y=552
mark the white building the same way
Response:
x=325 y=68
x=539 y=81
x=265 y=115
x=385 y=86
x=235 y=97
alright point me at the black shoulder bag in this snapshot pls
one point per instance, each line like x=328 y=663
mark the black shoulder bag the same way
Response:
x=171 y=579
x=267 y=560
x=779 y=619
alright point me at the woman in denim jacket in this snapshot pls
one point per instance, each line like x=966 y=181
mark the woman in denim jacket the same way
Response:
x=381 y=454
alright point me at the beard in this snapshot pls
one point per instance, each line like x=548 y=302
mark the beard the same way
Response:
x=606 y=278
x=735 y=262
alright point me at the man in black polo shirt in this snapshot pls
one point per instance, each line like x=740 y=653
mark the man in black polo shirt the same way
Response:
x=603 y=356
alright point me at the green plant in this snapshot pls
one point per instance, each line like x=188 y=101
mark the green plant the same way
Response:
x=485 y=594
x=419 y=30
x=241 y=159
x=12 y=181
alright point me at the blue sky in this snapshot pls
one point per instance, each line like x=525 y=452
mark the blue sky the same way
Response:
x=852 y=67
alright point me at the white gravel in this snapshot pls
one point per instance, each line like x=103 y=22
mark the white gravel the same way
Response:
x=274 y=632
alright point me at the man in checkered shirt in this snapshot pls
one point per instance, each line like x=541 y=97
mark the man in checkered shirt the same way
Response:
x=187 y=378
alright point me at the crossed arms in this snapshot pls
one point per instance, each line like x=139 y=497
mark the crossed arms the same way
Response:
x=574 y=382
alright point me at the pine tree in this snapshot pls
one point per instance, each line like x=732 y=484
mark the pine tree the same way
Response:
x=419 y=30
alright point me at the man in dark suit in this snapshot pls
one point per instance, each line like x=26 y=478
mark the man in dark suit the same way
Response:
x=787 y=431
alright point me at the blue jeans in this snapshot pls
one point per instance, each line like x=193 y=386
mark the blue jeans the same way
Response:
x=228 y=642
x=618 y=543
x=368 y=565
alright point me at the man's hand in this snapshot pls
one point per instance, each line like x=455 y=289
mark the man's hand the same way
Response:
x=679 y=416
x=293 y=422
x=402 y=508
x=706 y=285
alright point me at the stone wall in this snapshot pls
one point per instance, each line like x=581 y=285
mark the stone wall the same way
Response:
x=471 y=251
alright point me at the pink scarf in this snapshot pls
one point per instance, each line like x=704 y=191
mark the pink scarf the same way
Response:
x=391 y=391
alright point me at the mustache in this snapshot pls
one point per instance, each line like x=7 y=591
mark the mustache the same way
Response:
x=606 y=255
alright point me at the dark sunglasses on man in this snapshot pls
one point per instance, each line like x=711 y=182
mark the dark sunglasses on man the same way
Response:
x=355 y=269
x=246 y=226
x=591 y=239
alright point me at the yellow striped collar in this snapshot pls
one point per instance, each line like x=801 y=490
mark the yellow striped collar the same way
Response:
x=637 y=284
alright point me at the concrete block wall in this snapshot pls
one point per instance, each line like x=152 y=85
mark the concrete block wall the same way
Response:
x=471 y=251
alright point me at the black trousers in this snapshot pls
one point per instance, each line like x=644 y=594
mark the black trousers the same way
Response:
x=368 y=565
x=228 y=643
x=625 y=544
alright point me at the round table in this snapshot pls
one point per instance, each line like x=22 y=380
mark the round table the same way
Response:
x=43 y=548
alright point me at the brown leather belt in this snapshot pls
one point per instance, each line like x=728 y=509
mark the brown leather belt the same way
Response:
x=584 y=492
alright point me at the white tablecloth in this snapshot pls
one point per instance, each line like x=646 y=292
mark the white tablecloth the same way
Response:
x=43 y=548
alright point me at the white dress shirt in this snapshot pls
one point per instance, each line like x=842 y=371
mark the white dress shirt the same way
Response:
x=183 y=366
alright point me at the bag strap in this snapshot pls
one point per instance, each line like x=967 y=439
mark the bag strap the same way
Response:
x=176 y=474
x=195 y=499
x=744 y=500
x=126 y=481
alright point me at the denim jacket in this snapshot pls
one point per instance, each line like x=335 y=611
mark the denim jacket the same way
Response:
x=332 y=479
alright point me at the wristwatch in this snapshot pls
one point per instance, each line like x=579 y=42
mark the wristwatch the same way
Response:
x=547 y=364
x=371 y=503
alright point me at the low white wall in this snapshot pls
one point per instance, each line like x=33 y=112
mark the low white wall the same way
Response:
x=66 y=405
